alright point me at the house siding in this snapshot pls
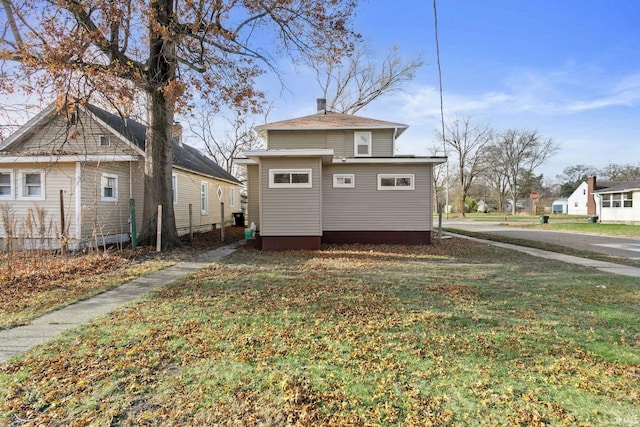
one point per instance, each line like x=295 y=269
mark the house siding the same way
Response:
x=577 y=201
x=629 y=215
x=291 y=211
x=365 y=208
x=341 y=141
x=57 y=177
x=278 y=140
x=105 y=218
x=81 y=138
x=189 y=194
x=253 y=196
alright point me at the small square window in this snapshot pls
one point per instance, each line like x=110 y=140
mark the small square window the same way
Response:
x=32 y=185
x=105 y=141
x=344 y=180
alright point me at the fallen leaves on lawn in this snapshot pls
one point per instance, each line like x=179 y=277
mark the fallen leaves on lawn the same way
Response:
x=348 y=336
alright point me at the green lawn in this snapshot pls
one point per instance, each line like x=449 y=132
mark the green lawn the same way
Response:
x=456 y=333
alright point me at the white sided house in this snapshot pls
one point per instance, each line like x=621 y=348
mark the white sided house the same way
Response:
x=334 y=178
x=577 y=201
x=70 y=177
x=619 y=203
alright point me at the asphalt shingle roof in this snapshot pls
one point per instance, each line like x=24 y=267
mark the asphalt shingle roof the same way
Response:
x=184 y=155
x=331 y=120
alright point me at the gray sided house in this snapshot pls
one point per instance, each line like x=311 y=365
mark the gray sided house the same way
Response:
x=70 y=176
x=334 y=178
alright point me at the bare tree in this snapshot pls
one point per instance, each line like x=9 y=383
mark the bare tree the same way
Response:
x=467 y=141
x=170 y=51
x=352 y=84
x=516 y=154
x=238 y=136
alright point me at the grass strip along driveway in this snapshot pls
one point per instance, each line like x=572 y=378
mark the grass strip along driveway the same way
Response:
x=455 y=333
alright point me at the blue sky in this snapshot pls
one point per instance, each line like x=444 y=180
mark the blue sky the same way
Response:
x=569 y=69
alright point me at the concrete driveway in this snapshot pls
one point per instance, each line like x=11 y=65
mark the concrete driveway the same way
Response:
x=613 y=246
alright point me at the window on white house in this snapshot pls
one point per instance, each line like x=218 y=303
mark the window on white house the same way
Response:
x=105 y=141
x=219 y=193
x=174 y=187
x=344 y=180
x=204 y=197
x=32 y=186
x=617 y=200
x=109 y=187
x=362 y=144
x=395 y=181
x=232 y=197
x=6 y=185
x=290 y=178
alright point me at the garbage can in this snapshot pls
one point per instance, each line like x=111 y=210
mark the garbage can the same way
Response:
x=238 y=218
x=593 y=219
x=544 y=219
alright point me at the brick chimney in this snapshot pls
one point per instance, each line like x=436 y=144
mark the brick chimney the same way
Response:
x=591 y=203
x=176 y=132
x=322 y=105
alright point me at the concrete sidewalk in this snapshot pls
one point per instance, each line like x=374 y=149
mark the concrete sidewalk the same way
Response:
x=20 y=339
x=608 y=267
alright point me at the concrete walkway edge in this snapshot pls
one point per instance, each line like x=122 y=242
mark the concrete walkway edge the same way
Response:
x=20 y=339
x=605 y=266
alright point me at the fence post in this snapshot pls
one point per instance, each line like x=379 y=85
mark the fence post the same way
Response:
x=159 y=230
x=132 y=228
x=222 y=222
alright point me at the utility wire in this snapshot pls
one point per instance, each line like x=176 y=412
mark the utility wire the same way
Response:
x=444 y=143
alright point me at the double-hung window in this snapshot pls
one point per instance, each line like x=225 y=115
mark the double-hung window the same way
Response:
x=204 y=197
x=232 y=197
x=32 y=185
x=403 y=181
x=362 y=144
x=6 y=185
x=174 y=188
x=290 y=178
x=109 y=191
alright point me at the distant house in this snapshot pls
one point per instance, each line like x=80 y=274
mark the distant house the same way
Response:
x=619 y=203
x=577 y=201
x=71 y=175
x=560 y=206
x=333 y=178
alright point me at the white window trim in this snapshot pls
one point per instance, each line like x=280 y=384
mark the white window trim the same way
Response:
x=337 y=176
x=396 y=176
x=232 y=197
x=356 y=143
x=104 y=138
x=273 y=172
x=12 y=185
x=174 y=188
x=204 y=197
x=21 y=184
x=115 y=187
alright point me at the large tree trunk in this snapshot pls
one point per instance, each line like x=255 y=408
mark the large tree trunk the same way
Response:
x=157 y=174
x=158 y=141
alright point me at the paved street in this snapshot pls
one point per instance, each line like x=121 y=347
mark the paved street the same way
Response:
x=614 y=246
